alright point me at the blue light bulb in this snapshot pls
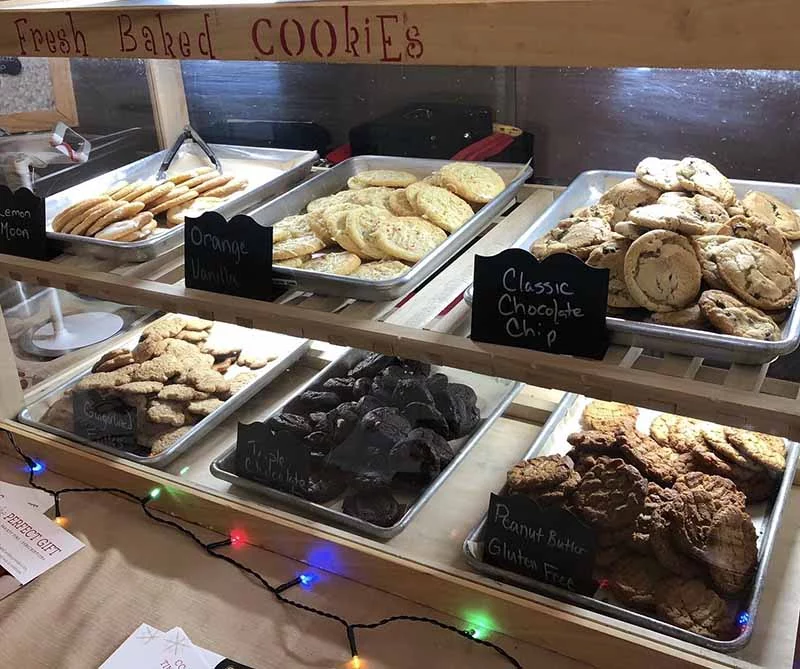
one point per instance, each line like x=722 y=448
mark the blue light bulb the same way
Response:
x=744 y=618
x=307 y=579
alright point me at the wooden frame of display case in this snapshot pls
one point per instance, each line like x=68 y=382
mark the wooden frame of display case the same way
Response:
x=64 y=107
x=687 y=33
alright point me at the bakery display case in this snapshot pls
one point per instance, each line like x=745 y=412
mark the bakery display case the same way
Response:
x=402 y=461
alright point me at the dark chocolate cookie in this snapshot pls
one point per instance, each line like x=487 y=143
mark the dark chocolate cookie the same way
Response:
x=361 y=387
x=371 y=480
x=437 y=382
x=324 y=486
x=342 y=386
x=422 y=452
x=461 y=416
x=372 y=364
x=367 y=403
x=411 y=390
x=426 y=415
x=416 y=367
x=377 y=507
x=313 y=400
x=288 y=422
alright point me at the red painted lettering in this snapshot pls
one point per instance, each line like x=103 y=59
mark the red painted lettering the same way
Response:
x=331 y=38
x=414 y=47
x=183 y=44
x=350 y=34
x=166 y=37
x=125 y=37
x=301 y=37
x=255 y=34
x=386 y=39
x=209 y=49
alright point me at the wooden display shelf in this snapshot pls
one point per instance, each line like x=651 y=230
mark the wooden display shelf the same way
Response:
x=424 y=562
x=603 y=33
x=431 y=326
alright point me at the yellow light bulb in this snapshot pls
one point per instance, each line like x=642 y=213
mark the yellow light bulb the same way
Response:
x=356 y=663
x=61 y=521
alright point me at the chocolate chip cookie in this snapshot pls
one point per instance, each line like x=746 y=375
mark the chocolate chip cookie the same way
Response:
x=757 y=274
x=679 y=433
x=757 y=230
x=706 y=247
x=765 y=449
x=662 y=271
x=659 y=173
x=669 y=217
x=611 y=255
x=690 y=317
x=628 y=195
x=611 y=494
x=772 y=210
x=699 y=176
x=731 y=316
x=715 y=437
x=576 y=236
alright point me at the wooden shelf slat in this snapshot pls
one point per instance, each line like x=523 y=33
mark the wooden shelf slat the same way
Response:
x=602 y=33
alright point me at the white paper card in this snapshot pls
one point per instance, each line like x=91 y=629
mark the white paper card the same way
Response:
x=31 y=543
x=149 y=648
x=22 y=494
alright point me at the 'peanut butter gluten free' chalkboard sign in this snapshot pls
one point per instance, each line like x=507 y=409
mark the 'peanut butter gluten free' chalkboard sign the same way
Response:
x=278 y=459
x=557 y=305
x=22 y=225
x=548 y=544
x=230 y=257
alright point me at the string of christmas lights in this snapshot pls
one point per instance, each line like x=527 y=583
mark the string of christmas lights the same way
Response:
x=34 y=468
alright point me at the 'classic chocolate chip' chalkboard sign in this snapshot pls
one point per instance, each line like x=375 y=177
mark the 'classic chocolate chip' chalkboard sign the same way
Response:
x=22 y=224
x=557 y=305
x=546 y=543
x=106 y=420
x=278 y=459
x=231 y=257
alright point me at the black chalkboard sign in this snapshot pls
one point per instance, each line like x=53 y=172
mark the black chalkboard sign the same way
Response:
x=280 y=460
x=546 y=543
x=106 y=420
x=22 y=225
x=231 y=257
x=230 y=664
x=557 y=305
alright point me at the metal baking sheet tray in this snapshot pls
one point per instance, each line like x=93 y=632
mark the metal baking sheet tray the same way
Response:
x=587 y=189
x=766 y=518
x=494 y=396
x=288 y=349
x=335 y=179
x=268 y=171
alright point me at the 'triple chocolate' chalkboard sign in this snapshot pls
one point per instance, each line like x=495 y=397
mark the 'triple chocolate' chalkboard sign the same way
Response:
x=557 y=305
x=231 y=257
x=280 y=460
x=106 y=420
x=545 y=543
x=22 y=225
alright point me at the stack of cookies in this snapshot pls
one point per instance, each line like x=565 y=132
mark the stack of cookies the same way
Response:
x=384 y=427
x=179 y=373
x=127 y=212
x=668 y=507
x=678 y=243
x=384 y=222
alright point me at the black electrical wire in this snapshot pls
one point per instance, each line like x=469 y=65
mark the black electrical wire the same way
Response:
x=276 y=591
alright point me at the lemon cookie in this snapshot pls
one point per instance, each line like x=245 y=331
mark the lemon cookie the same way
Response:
x=295 y=263
x=90 y=217
x=198 y=181
x=122 y=212
x=443 y=208
x=183 y=177
x=407 y=238
x=158 y=191
x=334 y=263
x=174 y=199
x=227 y=189
x=662 y=271
x=65 y=215
x=472 y=181
x=142 y=187
x=212 y=184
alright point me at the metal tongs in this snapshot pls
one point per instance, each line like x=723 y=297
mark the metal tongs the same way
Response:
x=188 y=133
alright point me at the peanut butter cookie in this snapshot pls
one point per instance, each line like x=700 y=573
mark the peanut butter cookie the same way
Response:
x=538 y=473
x=608 y=416
x=692 y=606
x=635 y=580
x=731 y=552
x=611 y=494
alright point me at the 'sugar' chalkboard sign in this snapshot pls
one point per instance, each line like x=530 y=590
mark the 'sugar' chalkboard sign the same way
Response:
x=106 y=420
x=231 y=257
x=22 y=225
x=548 y=544
x=278 y=459
x=557 y=305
